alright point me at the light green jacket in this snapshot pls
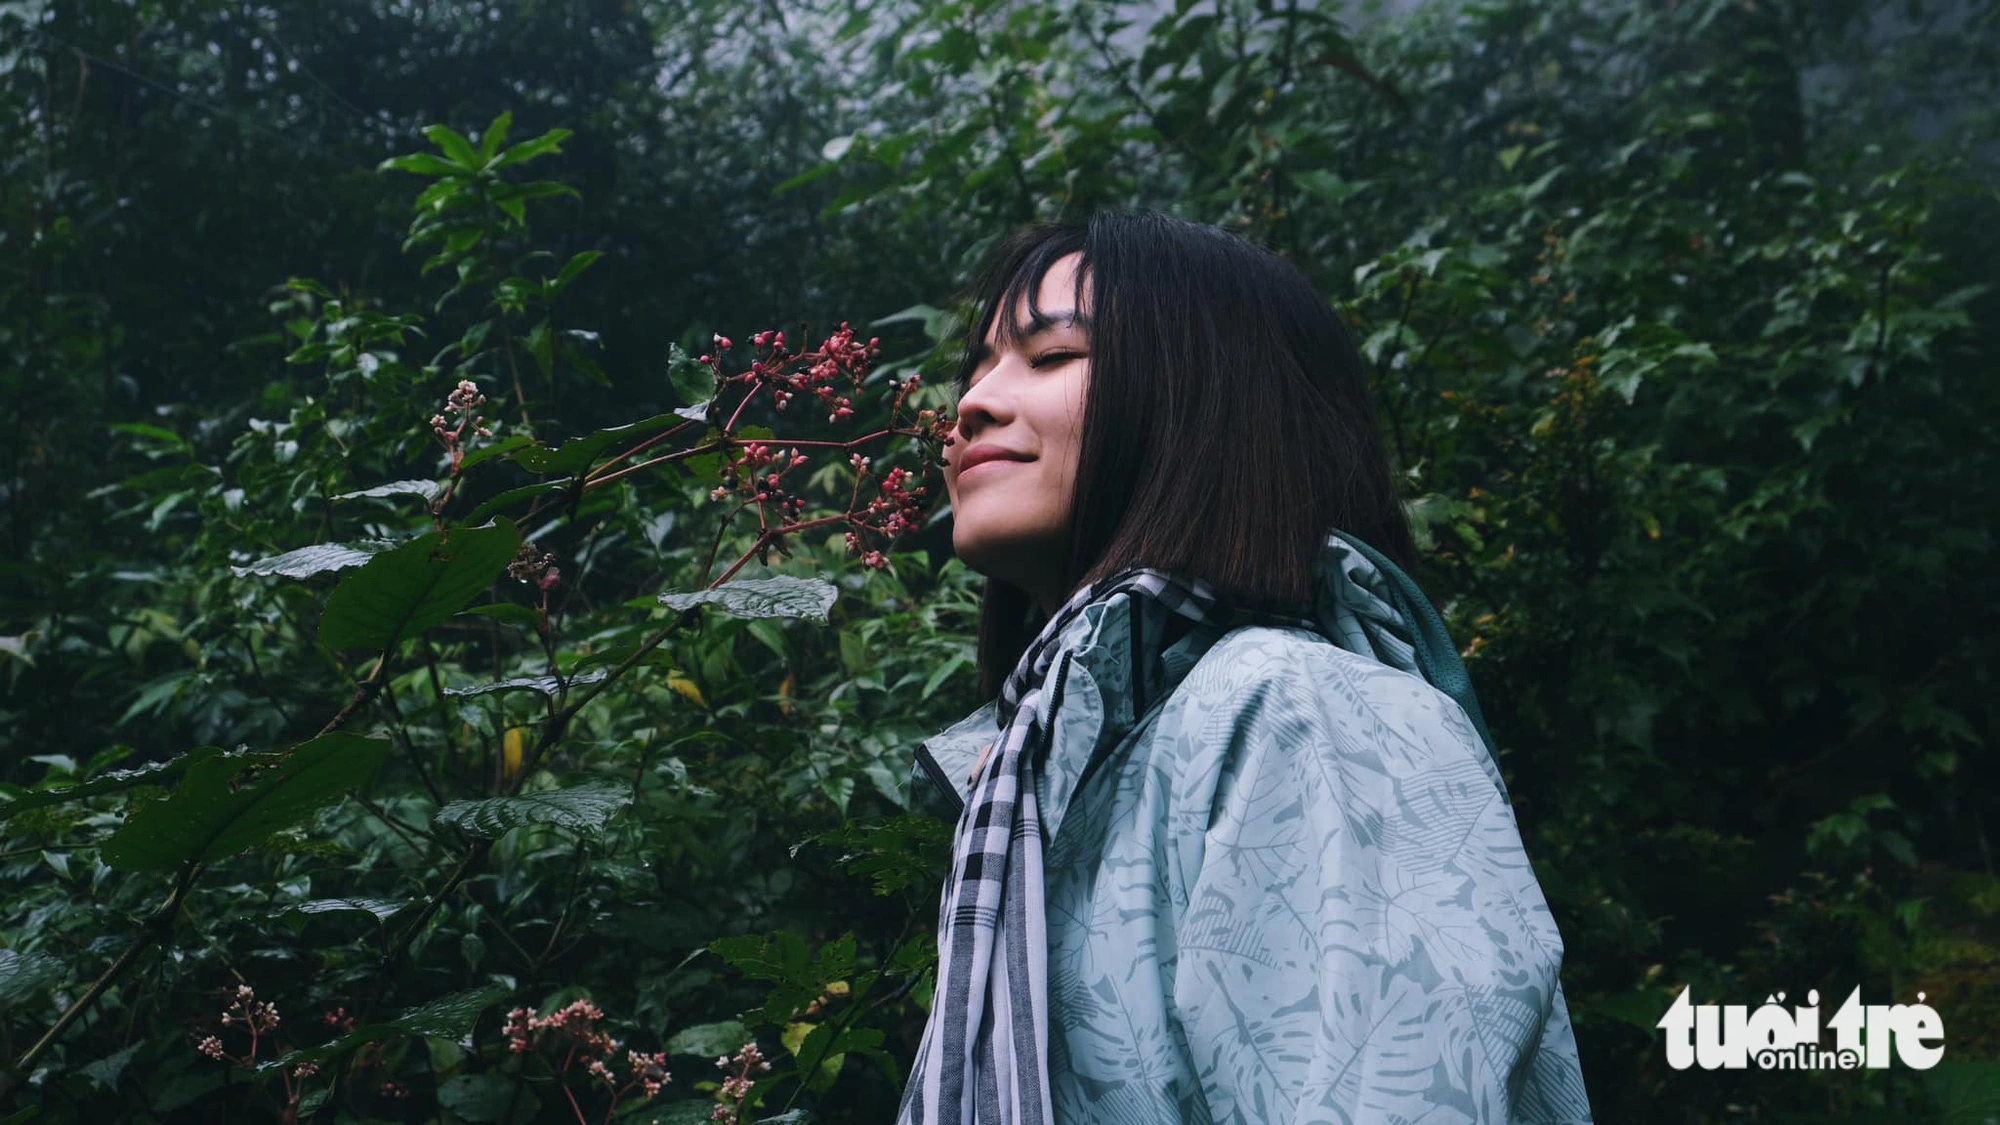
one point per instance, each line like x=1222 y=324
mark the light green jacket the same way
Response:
x=1284 y=880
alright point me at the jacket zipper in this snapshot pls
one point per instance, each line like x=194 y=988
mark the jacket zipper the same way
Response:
x=937 y=775
x=1062 y=676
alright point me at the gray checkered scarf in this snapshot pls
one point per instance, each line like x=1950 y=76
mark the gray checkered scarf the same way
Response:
x=981 y=1061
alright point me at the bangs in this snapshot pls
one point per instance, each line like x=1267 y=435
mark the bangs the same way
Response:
x=1015 y=270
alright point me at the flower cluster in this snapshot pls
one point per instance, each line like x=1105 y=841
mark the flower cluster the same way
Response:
x=531 y=567
x=736 y=1087
x=839 y=355
x=651 y=1070
x=460 y=404
x=576 y=1023
x=897 y=510
x=258 y=1019
x=760 y=457
x=573 y=1030
x=754 y=472
x=758 y=469
x=256 y=1015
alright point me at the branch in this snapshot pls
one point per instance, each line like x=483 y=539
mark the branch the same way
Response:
x=161 y=924
x=362 y=694
x=552 y=731
x=155 y=931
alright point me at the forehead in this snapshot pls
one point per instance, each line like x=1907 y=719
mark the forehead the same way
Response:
x=1050 y=301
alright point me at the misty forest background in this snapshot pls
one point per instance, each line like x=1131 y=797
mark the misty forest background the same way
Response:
x=324 y=798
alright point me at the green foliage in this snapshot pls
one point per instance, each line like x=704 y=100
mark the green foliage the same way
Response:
x=580 y=808
x=779 y=596
x=405 y=592
x=223 y=803
x=327 y=677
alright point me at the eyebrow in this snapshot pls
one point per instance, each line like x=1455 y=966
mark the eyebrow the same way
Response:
x=1037 y=325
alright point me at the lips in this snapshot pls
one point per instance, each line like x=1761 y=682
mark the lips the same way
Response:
x=989 y=454
x=991 y=461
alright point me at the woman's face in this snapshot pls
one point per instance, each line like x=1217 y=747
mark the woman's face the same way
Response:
x=1009 y=515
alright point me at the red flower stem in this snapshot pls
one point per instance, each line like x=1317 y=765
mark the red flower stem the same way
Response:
x=691 y=451
x=715 y=548
x=640 y=467
x=848 y=444
x=437 y=509
x=730 y=426
x=580 y=1119
x=639 y=448
x=593 y=481
x=751 y=554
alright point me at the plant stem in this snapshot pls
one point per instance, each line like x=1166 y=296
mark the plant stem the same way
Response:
x=474 y=856
x=552 y=731
x=161 y=923
x=362 y=694
x=155 y=931
x=638 y=449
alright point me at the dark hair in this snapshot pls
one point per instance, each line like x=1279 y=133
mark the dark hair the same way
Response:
x=1227 y=424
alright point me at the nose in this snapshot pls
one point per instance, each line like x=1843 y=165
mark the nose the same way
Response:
x=988 y=402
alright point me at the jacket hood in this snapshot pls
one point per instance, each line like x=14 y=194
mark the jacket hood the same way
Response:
x=1368 y=606
x=1123 y=655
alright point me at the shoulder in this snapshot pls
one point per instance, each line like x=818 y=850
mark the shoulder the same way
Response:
x=1275 y=678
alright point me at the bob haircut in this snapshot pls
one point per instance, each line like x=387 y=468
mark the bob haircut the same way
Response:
x=1227 y=425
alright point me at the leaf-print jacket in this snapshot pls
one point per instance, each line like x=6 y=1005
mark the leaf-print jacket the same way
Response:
x=1285 y=883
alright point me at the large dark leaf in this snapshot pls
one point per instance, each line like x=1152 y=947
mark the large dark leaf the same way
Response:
x=709 y=1039
x=487 y=1097
x=402 y=593
x=157 y=773
x=490 y=508
x=381 y=909
x=227 y=802
x=693 y=380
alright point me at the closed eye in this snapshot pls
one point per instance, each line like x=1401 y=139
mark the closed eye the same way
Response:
x=1050 y=359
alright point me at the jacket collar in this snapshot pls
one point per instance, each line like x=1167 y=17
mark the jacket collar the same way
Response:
x=1122 y=656
x=1114 y=665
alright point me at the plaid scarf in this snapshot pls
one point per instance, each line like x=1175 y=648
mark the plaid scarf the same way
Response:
x=981 y=1061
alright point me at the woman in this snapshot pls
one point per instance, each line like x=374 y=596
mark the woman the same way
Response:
x=1231 y=842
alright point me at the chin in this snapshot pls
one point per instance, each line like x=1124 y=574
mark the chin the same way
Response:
x=1008 y=554
x=989 y=554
